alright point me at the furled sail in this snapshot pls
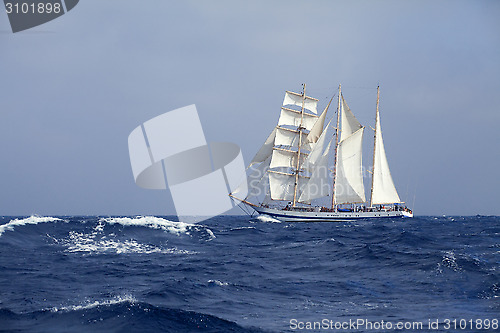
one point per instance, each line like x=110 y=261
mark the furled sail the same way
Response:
x=292 y=98
x=349 y=186
x=383 y=189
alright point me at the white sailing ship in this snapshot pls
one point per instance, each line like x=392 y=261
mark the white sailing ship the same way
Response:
x=290 y=175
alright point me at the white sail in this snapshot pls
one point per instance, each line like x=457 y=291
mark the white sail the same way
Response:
x=319 y=185
x=282 y=158
x=266 y=150
x=286 y=137
x=259 y=188
x=256 y=180
x=317 y=150
x=349 y=186
x=293 y=118
x=349 y=122
x=316 y=131
x=292 y=98
x=282 y=185
x=383 y=190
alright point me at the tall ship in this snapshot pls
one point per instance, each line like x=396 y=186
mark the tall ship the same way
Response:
x=306 y=171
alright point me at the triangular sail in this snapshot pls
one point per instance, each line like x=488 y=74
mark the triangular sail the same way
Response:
x=266 y=150
x=316 y=130
x=318 y=186
x=317 y=150
x=257 y=180
x=349 y=122
x=349 y=186
x=383 y=189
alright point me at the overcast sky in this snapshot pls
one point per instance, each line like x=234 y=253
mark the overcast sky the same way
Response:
x=73 y=89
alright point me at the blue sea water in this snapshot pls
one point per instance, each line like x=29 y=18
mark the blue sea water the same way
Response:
x=238 y=274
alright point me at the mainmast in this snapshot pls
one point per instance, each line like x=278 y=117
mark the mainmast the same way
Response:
x=374 y=144
x=298 y=150
x=336 y=150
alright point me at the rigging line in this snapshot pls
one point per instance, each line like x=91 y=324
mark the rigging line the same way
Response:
x=328 y=97
x=244 y=210
x=358 y=87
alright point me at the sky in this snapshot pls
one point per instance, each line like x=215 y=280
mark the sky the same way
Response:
x=74 y=88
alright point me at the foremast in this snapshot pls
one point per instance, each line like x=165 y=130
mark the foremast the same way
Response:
x=300 y=128
x=288 y=167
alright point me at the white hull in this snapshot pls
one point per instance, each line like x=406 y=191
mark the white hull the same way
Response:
x=316 y=216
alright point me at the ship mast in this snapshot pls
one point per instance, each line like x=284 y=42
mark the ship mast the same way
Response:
x=374 y=144
x=300 y=144
x=336 y=150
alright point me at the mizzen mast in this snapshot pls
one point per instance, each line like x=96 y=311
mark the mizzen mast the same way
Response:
x=374 y=144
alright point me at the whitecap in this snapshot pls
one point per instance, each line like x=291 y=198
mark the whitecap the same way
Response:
x=267 y=218
x=154 y=222
x=219 y=283
x=449 y=260
x=150 y=222
x=243 y=228
x=90 y=305
x=29 y=220
x=97 y=243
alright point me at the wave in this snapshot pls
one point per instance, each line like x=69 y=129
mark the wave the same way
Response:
x=29 y=220
x=90 y=305
x=97 y=242
x=80 y=242
x=117 y=315
x=267 y=218
x=154 y=222
x=218 y=283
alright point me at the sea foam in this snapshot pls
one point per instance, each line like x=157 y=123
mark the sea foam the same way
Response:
x=90 y=305
x=29 y=220
x=150 y=222
x=154 y=222
x=267 y=218
x=97 y=242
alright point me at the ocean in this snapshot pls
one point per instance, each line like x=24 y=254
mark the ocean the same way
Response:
x=242 y=274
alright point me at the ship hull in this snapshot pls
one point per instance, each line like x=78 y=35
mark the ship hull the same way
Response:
x=317 y=216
